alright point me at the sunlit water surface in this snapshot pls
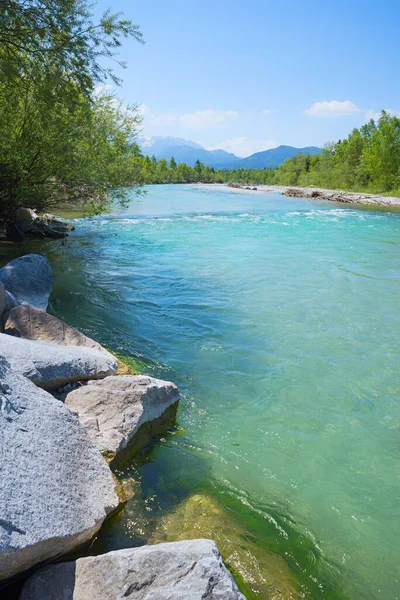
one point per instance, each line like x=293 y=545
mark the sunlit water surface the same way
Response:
x=279 y=320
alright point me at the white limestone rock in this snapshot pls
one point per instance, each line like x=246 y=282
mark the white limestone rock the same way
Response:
x=189 y=570
x=56 y=489
x=115 y=409
x=31 y=323
x=50 y=366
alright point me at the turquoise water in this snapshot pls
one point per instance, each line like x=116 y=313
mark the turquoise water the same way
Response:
x=279 y=320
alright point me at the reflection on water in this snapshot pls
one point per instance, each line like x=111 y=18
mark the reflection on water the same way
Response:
x=278 y=319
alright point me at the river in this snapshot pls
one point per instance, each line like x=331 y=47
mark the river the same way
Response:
x=278 y=318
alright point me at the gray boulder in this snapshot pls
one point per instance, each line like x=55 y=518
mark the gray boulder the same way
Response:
x=56 y=489
x=31 y=323
x=121 y=414
x=51 y=366
x=189 y=570
x=28 y=279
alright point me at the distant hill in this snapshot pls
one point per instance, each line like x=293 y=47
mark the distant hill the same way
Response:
x=272 y=158
x=155 y=145
x=189 y=155
x=186 y=151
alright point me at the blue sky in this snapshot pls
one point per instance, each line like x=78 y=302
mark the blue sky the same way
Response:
x=249 y=75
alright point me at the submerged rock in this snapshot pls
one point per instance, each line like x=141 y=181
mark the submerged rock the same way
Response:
x=29 y=279
x=265 y=573
x=121 y=414
x=50 y=366
x=191 y=570
x=56 y=488
x=31 y=323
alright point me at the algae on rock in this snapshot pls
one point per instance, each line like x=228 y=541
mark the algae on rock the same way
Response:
x=264 y=574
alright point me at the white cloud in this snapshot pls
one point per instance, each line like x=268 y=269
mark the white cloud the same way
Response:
x=374 y=114
x=144 y=110
x=333 y=109
x=201 y=119
x=243 y=146
x=151 y=118
x=266 y=111
x=371 y=114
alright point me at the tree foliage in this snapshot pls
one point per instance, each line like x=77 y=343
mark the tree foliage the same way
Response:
x=60 y=36
x=368 y=160
x=152 y=170
x=59 y=140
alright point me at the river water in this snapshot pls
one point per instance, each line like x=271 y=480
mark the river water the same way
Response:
x=279 y=320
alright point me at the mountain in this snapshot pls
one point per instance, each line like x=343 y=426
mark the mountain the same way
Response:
x=186 y=151
x=155 y=145
x=272 y=158
x=189 y=155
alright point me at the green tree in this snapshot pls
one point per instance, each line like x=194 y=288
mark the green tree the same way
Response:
x=198 y=170
x=59 y=140
x=60 y=35
x=183 y=174
x=162 y=171
x=382 y=158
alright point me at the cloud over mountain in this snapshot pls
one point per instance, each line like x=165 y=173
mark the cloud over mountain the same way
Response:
x=200 y=119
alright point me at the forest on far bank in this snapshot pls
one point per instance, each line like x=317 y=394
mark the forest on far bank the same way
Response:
x=367 y=160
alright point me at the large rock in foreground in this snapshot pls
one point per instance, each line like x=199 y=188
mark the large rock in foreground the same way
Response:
x=56 y=489
x=191 y=570
x=31 y=323
x=121 y=414
x=29 y=279
x=51 y=366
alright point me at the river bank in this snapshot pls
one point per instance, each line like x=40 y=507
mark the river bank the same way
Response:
x=68 y=420
x=315 y=193
x=60 y=362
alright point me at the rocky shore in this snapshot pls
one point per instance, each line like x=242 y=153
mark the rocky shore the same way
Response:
x=66 y=420
x=27 y=222
x=323 y=194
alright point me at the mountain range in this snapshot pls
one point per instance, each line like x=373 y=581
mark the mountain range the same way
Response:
x=186 y=151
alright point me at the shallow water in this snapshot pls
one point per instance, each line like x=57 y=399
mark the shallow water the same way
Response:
x=279 y=320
